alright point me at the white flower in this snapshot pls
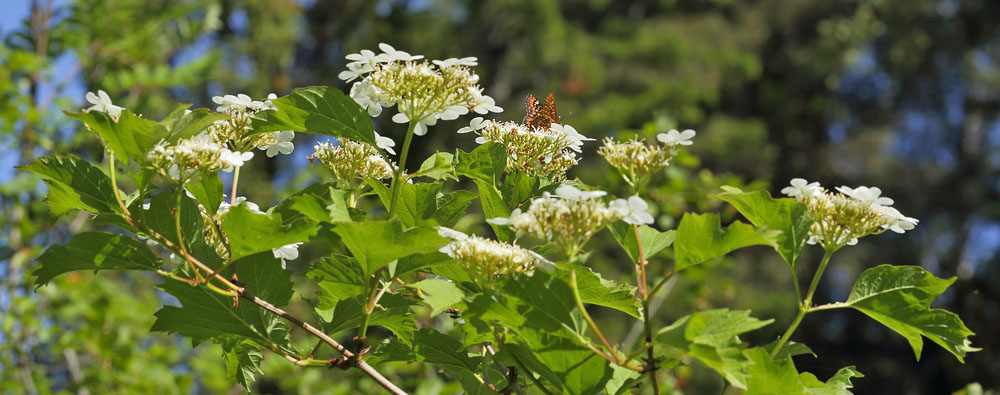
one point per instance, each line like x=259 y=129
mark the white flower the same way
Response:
x=364 y=94
x=801 y=188
x=451 y=233
x=385 y=143
x=569 y=192
x=484 y=104
x=289 y=252
x=673 y=137
x=230 y=103
x=102 y=103
x=224 y=205
x=467 y=61
x=390 y=54
x=355 y=70
x=897 y=222
x=452 y=112
x=283 y=145
x=420 y=128
x=866 y=194
x=238 y=159
x=474 y=125
x=365 y=56
x=576 y=139
x=633 y=210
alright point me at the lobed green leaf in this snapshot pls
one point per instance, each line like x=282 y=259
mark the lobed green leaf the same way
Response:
x=900 y=296
x=95 y=251
x=786 y=215
x=701 y=237
x=74 y=184
x=319 y=110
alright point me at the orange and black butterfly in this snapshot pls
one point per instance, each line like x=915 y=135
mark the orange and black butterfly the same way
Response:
x=538 y=115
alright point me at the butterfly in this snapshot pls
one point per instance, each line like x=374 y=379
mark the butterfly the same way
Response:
x=538 y=115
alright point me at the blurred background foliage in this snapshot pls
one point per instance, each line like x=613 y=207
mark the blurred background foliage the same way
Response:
x=900 y=94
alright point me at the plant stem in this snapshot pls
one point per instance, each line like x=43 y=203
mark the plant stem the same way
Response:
x=397 y=178
x=366 y=313
x=114 y=183
x=512 y=383
x=243 y=293
x=646 y=314
x=651 y=359
x=641 y=263
x=236 y=180
x=805 y=304
x=593 y=325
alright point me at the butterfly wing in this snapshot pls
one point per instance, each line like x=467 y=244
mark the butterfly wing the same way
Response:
x=549 y=109
x=532 y=108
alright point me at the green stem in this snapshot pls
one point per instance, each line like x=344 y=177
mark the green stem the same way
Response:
x=114 y=183
x=366 y=313
x=397 y=178
x=236 y=180
x=804 y=305
x=590 y=321
x=651 y=358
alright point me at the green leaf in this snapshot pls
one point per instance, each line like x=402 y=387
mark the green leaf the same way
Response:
x=622 y=379
x=700 y=238
x=376 y=243
x=320 y=110
x=512 y=194
x=250 y=232
x=95 y=251
x=486 y=163
x=393 y=312
x=786 y=215
x=653 y=241
x=570 y=367
x=900 y=297
x=208 y=191
x=493 y=207
x=315 y=203
x=594 y=289
x=712 y=337
x=206 y=315
x=389 y=350
x=431 y=346
x=425 y=204
x=339 y=277
x=781 y=377
x=540 y=301
x=74 y=184
x=131 y=137
x=243 y=362
x=416 y=262
x=192 y=123
x=439 y=166
x=439 y=294
x=790 y=349
x=162 y=218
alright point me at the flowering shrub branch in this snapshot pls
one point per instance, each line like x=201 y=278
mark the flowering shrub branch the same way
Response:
x=521 y=301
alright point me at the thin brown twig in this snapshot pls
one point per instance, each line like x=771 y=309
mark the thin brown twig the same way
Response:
x=513 y=385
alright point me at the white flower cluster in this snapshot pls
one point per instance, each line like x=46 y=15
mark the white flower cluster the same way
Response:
x=423 y=91
x=843 y=217
x=533 y=151
x=488 y=260
x=571 y=217
x=235 y=131
x=193 y=156
x=242 y=103
x=102 y=103
x=352 y=159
